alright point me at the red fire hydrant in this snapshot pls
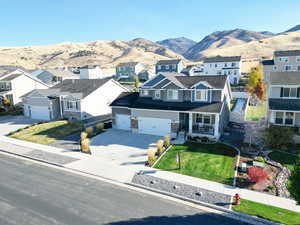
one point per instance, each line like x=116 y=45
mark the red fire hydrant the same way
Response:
x=237 y=199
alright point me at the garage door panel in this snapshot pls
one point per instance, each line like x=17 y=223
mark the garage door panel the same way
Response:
x=40 y=113
x=123 y=122
x=154 y=126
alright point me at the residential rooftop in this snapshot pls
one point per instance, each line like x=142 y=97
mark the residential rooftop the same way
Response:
x=128 y=64
x=62 y=73
x=168 y=61
x=287 y=53
x=222 y=59
x=284 y=78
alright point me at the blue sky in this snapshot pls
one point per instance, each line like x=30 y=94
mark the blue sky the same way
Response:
x=39 y=22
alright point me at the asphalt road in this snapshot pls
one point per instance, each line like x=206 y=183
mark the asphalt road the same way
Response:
x=31 y=194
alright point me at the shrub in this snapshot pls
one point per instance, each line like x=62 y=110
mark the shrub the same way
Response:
x=83 y=135
x=294 y=186
x=279 y=137
x=160 y=147
x=260 y=159
x=151 y=157
x=257 y=174
x=89 y=131
x=85 y=145
x=167 y=141
x=99 y=127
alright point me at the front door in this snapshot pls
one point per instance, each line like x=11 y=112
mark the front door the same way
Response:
x=184 y=122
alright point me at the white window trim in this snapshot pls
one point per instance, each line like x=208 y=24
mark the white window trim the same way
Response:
x=202 y=123
x=286 y=59
x=284 y=117
x=173 y=97
x=298 y=59
x=206 y=95
x=290 y=93
x=285 y=66
x=71 y=109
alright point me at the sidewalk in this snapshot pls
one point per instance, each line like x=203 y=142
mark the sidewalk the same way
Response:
x=125 y=173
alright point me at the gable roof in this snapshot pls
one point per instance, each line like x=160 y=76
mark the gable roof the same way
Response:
x=287 y=53
x=11 y=77
x=61 y=73
x=128 y=64
x=132 y=100
x=222 y=59
x=285 y=78
x=88 y=67
x=168 y=61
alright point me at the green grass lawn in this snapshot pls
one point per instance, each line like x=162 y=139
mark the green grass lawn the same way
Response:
x=47 y=133
x=213 y=162
x=268 y=212
x=255 y=113
x=285 y=159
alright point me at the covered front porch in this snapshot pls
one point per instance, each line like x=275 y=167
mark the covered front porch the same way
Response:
x=199 y=124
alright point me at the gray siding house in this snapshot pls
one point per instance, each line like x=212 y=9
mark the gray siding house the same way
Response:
x=126 y=72
x=173 y=65
x=172 y=103
x=55 y=76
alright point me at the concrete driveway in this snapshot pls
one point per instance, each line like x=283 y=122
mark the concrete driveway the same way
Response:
x=123 y=147
x=12 y=123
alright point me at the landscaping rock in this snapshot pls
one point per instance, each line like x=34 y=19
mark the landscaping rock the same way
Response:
x=281 y=182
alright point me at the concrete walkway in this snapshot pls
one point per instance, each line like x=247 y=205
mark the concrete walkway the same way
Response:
x=124 y=173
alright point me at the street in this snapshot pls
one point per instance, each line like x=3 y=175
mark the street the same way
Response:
x=32 y=194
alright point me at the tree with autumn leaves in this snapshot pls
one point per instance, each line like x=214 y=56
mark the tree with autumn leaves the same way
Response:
x=256 y=86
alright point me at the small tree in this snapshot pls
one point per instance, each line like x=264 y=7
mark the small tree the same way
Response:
x=160 y=147
x=167 y=141
x=294 y=186
x=99 y=127
x=279 y=137
x=89 y=131
x=260 y=90
x=136 y=82
x=257 y=174
x=151 y=157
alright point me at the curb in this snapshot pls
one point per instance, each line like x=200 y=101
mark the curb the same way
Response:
x=235 y=215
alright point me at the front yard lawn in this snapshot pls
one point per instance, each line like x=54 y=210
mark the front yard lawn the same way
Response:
x=268 y=212
x=46 y=133
x=213 y=162
x=255 y=113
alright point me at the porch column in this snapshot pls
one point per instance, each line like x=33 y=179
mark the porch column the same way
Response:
x=216 y=133
x=190 y=123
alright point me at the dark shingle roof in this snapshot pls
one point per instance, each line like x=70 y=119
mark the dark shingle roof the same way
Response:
x=82 y=86
x=216 y=81
x=287 y=53
x=284 y=104
x=222 y=59
x=88 y=67
x=268 y=62
x=127 y=64
x=132 y=100
x=285 y=78
x=168 y=61
x=61 y=73
x=11 y=77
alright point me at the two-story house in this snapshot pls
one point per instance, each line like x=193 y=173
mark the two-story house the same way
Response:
x=77 y=99
x=126 y=72
x=284 y=99
x=91 y=72
x=224 y=65
x=16 y=83
x=172 y=103
x=173 y=65
x=283 y=61
x=54 y=76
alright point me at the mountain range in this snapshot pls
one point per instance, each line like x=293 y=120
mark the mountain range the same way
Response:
x=251 y=45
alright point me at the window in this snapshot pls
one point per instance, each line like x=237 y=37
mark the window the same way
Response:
x=216 y=65
x=298 y=68
x=199 y=118
x=157 y=94
x=298 y=59
x=145 y=92
x=286 y=118
x=279 y=118
x=159 y=67
x=225 y=65
x=233 y=64
x=274 y=68
x=235 y=72
x=288 y=68
x=5 y=86
x=289 y=118
x=283 y=59
x=206 y=119
x=174 y=67
x=201 y=95
x=289 y=92
x=172 y=94
x=72 y=105
x=167 y=67
x=203 y=118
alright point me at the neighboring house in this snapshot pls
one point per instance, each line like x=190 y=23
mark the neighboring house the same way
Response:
x=173 y=65
x=284 y=99
x=17 y=83
x=126 y=72
x=73 y=99
x=191 y=70
x=224 y=65
x=172 y=103
x=90 y=72
x=282 y=61
x=145 y=75
x=54 y=76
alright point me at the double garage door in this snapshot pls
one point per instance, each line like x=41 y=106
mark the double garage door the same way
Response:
x=37 y=112
x=146 y=125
